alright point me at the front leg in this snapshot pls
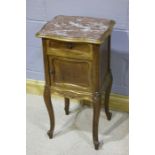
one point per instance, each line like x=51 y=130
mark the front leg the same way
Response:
x=47 y=99
x=96 y=115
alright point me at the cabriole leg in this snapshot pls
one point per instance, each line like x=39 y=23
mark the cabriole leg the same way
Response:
x=96 y=115
x=47 y=99
x=107 y=96
x=67 y=106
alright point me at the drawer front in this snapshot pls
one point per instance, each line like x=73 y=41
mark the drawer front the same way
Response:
x=70 y=73
x=69 y=50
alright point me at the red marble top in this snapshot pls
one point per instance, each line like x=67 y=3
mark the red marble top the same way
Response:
x=73 y=28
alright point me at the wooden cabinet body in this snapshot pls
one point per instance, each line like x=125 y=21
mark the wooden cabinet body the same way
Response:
x=77 y=67
x=77 y=70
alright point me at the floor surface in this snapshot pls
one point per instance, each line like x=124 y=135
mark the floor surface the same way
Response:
x=73 y=133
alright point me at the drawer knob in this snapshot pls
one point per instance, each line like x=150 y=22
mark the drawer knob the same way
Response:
x=70 y=45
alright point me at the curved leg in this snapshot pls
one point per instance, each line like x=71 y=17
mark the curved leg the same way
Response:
x=96 y=115
x=47 y=99
x=107 y=95
x=67 y=106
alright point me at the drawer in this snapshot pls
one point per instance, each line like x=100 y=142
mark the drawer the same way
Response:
x=69 y=49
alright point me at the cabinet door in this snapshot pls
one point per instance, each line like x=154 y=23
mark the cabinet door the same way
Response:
x=67 y=72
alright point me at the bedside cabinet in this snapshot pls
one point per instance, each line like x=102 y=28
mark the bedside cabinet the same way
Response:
x=76 y=54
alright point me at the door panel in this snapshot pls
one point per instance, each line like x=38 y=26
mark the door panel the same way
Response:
x=67 y=72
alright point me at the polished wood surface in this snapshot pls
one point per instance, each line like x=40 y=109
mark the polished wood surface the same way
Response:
x=78 y=70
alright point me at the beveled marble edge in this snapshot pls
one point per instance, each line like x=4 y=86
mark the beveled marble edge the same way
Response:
x=84 y=40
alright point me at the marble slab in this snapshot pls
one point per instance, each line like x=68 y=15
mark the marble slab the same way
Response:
x=76 y=28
